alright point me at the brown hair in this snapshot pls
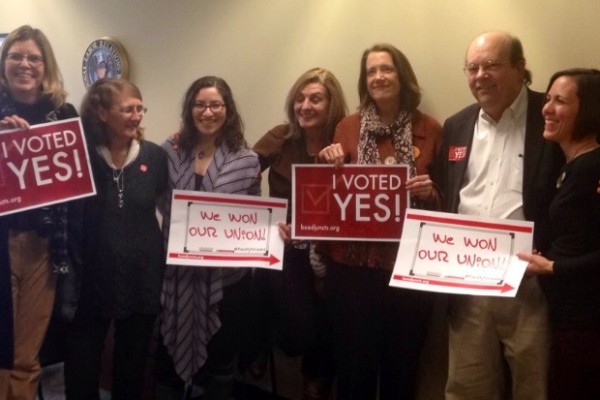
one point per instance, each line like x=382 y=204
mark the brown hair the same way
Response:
x=410 y=93
x=587 y=122
x=233 y=127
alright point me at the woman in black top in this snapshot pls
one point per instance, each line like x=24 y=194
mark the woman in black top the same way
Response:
x=571 y=269
x=123 y=245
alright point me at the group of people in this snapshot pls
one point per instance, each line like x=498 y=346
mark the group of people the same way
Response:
x=514 y=154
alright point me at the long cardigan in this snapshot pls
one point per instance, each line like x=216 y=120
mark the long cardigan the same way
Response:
x=190 y=295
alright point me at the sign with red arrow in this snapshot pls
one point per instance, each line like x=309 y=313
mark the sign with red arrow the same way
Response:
x=224 y=230
x=459 y=254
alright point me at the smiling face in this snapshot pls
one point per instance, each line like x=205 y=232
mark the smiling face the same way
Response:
x=495 y=81
x=209 y=122
x=24 y=78
x=383 y=83
x=311 y=106
x=123 y=118
x=560 y=110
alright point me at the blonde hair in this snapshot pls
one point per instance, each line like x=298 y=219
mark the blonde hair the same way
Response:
x=52 y=83
x=337 y=103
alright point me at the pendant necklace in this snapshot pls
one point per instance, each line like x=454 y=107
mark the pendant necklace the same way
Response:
x=560 y=179
x=202 y=153
x=119 y=180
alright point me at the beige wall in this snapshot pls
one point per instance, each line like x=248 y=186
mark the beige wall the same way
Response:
x=261 y=46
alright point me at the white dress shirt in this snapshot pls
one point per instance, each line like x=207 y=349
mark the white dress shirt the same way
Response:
x=494 y=177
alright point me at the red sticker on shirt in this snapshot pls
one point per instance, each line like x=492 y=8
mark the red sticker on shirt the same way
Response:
x=457 y=153
x=143 y=168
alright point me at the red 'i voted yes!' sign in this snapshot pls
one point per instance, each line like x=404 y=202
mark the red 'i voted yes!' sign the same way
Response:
x=43 y=165
x=355 y=202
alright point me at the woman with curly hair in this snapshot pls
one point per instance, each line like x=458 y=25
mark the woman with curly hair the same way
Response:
x=203 y=308
x=123 y=247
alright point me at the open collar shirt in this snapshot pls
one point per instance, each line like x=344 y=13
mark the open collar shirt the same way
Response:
x=494 y=177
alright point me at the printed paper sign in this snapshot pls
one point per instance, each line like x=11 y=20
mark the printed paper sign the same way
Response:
x=225 y=230
x=43 y=165
x=355 y=202
x=451 y=253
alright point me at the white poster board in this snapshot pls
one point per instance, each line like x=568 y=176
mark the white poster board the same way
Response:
x=460 y=254
x=224 y=230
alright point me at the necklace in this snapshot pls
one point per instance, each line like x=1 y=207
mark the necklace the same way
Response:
x=203 y=152
x=119 y=180
x=561 y=179
x=584 y=148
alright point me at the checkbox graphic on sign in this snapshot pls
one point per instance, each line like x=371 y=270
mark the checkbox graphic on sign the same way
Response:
x=315 y=199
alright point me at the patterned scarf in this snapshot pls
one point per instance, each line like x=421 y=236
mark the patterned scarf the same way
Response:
x=371 y=128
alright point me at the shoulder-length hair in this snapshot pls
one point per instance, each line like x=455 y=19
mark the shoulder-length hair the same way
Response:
x=232 y=132
x=410 y=92
x=587 y=122
x=337 y=103
x=52 y=83
x=103 y=94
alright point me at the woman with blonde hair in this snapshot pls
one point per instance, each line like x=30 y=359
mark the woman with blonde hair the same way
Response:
x=314 y=106
x=35 y=242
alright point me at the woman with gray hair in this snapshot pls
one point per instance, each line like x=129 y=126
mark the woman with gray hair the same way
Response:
x=123 y=250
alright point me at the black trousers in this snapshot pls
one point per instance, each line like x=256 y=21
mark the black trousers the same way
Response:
x=575 y=365
x=290 y=314
x=216 y=375
x=85 y=344
x=378 y=333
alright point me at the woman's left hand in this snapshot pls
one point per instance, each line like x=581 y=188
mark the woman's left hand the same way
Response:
x=537 y=264
x=420 y=186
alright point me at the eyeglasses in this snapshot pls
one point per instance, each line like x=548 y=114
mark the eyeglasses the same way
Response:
x=214 y=107
x=129 y=110
x=487 y=67
x=33 y=59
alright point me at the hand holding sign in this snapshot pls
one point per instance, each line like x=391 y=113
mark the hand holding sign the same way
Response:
x=42 y=165
x=460 y=254
x=13 y=122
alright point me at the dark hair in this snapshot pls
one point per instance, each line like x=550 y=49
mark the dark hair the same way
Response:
x=587 y=122
x=516 y=55
x=410 y=93
x=232 y=132
x=337 y=104
x=52 y=83
x=101 y=95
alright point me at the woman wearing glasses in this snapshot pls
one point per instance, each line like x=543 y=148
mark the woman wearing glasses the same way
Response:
x=33 y=243
x=123 y=246
x=203 y=309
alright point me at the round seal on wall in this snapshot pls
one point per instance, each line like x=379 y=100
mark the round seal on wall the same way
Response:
x=104 y=58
